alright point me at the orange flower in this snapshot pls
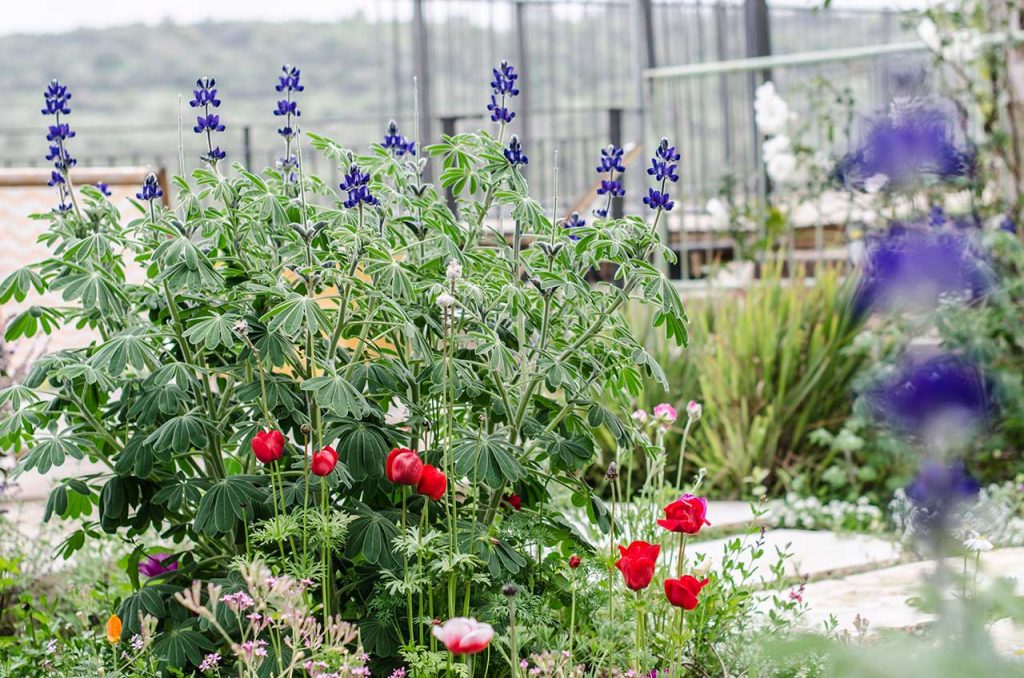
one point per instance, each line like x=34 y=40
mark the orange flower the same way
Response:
x=114 y=629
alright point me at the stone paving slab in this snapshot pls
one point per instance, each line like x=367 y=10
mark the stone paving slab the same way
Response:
x=881 y=595
x=815 y=554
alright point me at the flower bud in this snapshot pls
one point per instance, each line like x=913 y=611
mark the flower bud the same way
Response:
x=509 y=590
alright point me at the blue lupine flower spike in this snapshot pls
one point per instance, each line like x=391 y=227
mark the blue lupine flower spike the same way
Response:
x=288 y=108
x=503 y=87
x=611 y=162
x=103 y=188
x=205 y=98
x=663 y=167
x=150 y=189
x=574 y=221
x=396 y=143
x=656 y=199
x=356 y=184
x=55 y=100
x=514 y=153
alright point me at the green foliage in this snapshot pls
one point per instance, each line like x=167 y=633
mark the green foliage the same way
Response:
x=265 y=304
x=770 y=366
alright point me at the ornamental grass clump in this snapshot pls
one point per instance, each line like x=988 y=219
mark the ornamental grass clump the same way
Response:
x=243 y=393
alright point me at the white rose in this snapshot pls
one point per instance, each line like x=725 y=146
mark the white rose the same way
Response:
x=782 y=167
x=777 y=145
x=771 y=112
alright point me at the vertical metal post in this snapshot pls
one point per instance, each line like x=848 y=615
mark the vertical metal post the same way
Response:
x=422 y=70
x=522 y=66
x=644 y=57
x=724 y=98
x=755 y=19
x=448 y=123
x=615 y=138
x=247 y=146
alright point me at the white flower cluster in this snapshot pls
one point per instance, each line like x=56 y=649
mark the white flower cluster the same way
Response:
x=809 y=513
x=772 y=117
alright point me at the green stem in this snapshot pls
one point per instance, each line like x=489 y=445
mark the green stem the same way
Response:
x=682 y=454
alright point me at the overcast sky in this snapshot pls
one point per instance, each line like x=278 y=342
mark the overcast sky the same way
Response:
x=54 y=16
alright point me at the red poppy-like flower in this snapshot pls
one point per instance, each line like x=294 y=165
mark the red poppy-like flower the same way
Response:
x=324 y=461
x=637 y=564
x=683 y=592
x=686 y=514
x=515 y=501
x=464 y=635
x=268 y=446
x=403 y=467
x=574 y=561
x=432 y=482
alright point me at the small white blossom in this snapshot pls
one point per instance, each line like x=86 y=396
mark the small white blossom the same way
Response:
x=694 y=410
x=398 y=412
x=641 y=416
x=875 y=183
x=771 y=112
x=444 y=300
x=928 y=33
x=977 y=543
x=782 y=168
x=454 y=271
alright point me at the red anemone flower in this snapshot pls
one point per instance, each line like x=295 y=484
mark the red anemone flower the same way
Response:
x=403 y=467
x=268 y=446
x=432 y=483
x=637 y=564
x=686 y=514
x=682 y=592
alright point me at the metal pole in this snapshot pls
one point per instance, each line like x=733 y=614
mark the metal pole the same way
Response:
x=422 y=69
x=645 y=57
x=522 y=66
x=615 y=138
x=247 y=146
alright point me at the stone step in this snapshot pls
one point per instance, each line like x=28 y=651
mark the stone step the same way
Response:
x=816 y=554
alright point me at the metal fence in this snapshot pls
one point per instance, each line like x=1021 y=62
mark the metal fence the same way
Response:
x=708 y=109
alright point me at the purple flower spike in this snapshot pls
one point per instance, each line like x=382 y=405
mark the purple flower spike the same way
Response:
x=912 y=268
x=938 y=400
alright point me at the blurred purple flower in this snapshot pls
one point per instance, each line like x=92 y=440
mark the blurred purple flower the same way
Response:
x=937 y=491
x=909 y=269
x=912 y=144
x=937 y=400
x=154 y=565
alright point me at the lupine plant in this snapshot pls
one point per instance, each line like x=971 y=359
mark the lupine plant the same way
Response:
x=356 y=387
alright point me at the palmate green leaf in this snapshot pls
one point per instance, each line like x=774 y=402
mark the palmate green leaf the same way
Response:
x=392 y=278
x=226 y=503
x=135 y=459
x=671 y=313
x=568 y=453
x=124 y=349
x=93 y=246
x=297 y=312
x=599 y=415
x=71 y=499
x=339 y=395
x=181 y=643
x=502 y=559
x=366 y=451
x=184 y=266
x=491 y=459
x=213 y=331
x=49 y=449
x=18 y=284
x=181 y=374
x=178 y=492
x=19 y=425
x=17 y=394
x=149 y=600
x=31 y=320
x=180 y=434
x=371 y=536
x=651 y=367
x=94 y=290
